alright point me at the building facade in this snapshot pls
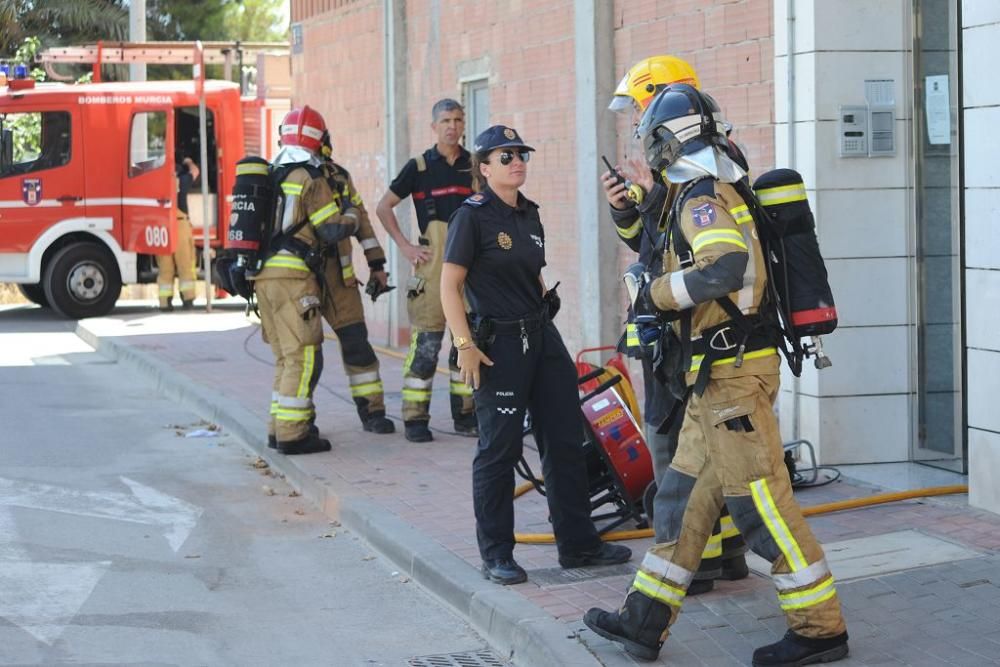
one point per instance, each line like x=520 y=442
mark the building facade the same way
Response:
x=882 y=105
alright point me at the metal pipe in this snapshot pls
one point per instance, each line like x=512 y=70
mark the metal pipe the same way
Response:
x=206 y=249
x=137 y=33
x=790 y=116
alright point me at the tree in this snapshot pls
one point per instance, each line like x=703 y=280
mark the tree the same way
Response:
x=257 y=21
x=57 y=22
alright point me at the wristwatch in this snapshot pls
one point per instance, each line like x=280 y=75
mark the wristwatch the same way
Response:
x=461 y=342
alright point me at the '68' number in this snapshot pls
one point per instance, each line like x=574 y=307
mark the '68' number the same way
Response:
x=157 y=237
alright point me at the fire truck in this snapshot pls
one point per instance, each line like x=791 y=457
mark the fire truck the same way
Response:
x=88 y=189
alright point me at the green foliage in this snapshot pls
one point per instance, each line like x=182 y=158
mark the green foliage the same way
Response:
x=257 y=21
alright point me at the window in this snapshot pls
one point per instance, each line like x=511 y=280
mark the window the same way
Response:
x=476 y=96
x=39 y=140
x=148 y=142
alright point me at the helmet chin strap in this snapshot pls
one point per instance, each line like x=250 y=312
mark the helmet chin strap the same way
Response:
x=709 y=161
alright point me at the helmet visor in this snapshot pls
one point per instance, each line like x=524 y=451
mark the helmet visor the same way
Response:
x=623 y=104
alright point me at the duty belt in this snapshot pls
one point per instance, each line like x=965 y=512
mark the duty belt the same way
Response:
x=486 y=329
x=729 y=341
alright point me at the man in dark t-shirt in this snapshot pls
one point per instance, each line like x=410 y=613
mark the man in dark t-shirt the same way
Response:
x=181 y=264
x=438 y=180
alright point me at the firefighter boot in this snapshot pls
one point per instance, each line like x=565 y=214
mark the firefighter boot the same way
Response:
x=467 y=425
x=794 y=650
x=187 y=304
x=417 y=431
x=377 y=422
x=734 y=569
x=638 y=625
x=308 y=444
x=272 y=441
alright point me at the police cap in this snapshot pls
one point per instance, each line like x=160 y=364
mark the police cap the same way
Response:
x=499 y=136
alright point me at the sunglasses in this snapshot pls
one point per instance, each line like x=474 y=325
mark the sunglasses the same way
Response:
x=506 y=157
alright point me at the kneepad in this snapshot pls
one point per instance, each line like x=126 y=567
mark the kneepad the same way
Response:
x=751 y=525
x=670 y=504
x=424 y=351
x=354 y=343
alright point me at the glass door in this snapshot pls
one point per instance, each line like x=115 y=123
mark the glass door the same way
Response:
x=940 y=434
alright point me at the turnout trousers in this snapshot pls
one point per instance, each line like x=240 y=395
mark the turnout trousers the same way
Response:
x=296 y=339
x=730 y=453
x=427 y=325
x=181 y=265
x=541 y=378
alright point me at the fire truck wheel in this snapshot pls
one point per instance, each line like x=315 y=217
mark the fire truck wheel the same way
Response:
x=35 y=294
x=82 y=280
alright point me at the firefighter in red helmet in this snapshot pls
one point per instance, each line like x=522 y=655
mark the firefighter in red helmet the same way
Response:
x=308 y=219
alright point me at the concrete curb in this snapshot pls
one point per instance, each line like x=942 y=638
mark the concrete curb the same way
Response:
x=514 y=626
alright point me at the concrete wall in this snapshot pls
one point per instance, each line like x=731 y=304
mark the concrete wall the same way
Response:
x=980 y=37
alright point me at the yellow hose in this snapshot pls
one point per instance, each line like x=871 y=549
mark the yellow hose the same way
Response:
x=813 y=510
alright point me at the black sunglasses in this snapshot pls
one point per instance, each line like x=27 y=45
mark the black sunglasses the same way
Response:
x=506 y=157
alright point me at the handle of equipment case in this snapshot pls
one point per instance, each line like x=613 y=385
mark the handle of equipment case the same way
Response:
x=601 y=388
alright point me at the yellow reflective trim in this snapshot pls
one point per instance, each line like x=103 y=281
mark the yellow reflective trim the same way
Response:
x=417 y=395
x=347 y=272
x=356 y=199
x=274 y=407
x=308 y=363
x=286 y=262
x=729 y=528
x=410 y=354
x=756 y=354
x=630 y=232
x=782 y=194
x=730 y=236
x=776 y=525
x=713 y=548
x=460 y=389
x=367 y=389
x=323 y=214
x=293 y=414
x=291 y=188
x=167 y=290
x=252 y=169
x=741 y=214
x=658 y=590
x=808 y=598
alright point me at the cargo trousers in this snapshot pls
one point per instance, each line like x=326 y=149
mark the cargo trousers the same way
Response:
x=181 y=265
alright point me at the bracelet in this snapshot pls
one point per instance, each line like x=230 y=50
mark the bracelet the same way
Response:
x=465 y=347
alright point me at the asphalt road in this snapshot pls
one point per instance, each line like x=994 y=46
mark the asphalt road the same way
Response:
x=124 y=540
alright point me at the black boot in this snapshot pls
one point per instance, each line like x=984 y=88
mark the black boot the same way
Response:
x=734 y=569
x=699 y=586
x=377 y=422
x=605 y=554
x=187 y=304
x=467 y=425
x=272 y=440
x=309 y=444
x=795 y=650
x=638 y=626
x=169 y=308
x=504 y=571
x=417 y=431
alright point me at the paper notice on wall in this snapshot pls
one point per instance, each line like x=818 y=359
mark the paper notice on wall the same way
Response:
x=880 y=92
x=937 y=107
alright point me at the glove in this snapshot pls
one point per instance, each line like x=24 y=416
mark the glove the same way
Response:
x=645 y=306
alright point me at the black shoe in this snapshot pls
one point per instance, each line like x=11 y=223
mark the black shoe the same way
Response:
x=417 y=431
x=310 y=444
x=606 y=554
x=467 y=425
x=504 y=571
x=272 y=441
x=169 y=308
x=795 y=650
x=378 y=424
x=699 y=586
x=187 y=304
x=637 y=626
x=734 y=569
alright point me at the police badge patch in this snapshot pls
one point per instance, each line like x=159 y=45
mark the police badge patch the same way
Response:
x=504 y=241
x=31 y=191
x=703 y=215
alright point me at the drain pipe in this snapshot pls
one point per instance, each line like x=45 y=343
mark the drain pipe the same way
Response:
x=790 y=114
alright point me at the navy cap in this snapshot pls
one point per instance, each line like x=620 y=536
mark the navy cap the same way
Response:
x=498 y=136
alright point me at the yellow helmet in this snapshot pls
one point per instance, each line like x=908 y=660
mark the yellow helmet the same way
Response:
x=646 y=78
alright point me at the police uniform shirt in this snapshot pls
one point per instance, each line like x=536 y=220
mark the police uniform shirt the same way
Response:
x=446 y=184
x=503 y=249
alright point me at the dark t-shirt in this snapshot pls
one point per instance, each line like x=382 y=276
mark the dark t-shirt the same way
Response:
x=184 y=183
x=503 y=249
x=438 y=190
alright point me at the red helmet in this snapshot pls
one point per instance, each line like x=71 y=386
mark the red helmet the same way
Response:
x=303 y=127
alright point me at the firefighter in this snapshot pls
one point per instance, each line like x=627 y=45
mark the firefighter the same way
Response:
x=495 y=254
x=342 y=307
x=638 y=222
x=181 y=263
x=309 y=221
x=438 y=180
x=730 y=450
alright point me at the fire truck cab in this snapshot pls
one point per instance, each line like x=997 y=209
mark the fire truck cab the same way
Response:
x=88 y=188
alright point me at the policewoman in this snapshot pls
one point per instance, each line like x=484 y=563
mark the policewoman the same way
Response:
x=516 y=361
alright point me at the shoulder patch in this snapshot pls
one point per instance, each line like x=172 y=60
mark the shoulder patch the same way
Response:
x=476 y=200
x=703 y=215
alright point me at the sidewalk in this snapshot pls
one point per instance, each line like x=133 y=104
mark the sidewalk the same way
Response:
x=413 y=502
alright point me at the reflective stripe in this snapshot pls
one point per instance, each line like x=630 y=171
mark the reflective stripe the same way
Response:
x=356 y=199
x=713 y=548
x=658 y=590
x=362 y=378
x=631 y=335
x=369 y=244
x=322 y=215
x=744 y=299
x=741 y=214
x=456 y=376
x=729 y=528
x=166 y=290
x=460 y=389
x=286 y=262
x=308 y=363
x=366 y=389
x=187 y=284
x=347 y=272
x=417 y=383
x=756 y=354
x=782 y=194
x=804 y=577
x=630 y=232
x=345 y=260
x=417 y=395
x=664 y=569
x=291 y=188
x=706 y=238
x=293 y=402
x=251 y=169
x=292 y=415
x=776 y=525
x=410 y=354
x=288 y=212
x=808 y=598
x=680 y=291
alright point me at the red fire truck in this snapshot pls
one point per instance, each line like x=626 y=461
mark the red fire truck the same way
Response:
x=87 y=183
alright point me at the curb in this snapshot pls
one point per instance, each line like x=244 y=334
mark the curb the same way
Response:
x=515 y=627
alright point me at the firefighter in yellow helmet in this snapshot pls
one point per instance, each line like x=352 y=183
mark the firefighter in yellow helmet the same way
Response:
x=309 y=221
x=342 y=308
x=712 y=295
x=639 y=223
